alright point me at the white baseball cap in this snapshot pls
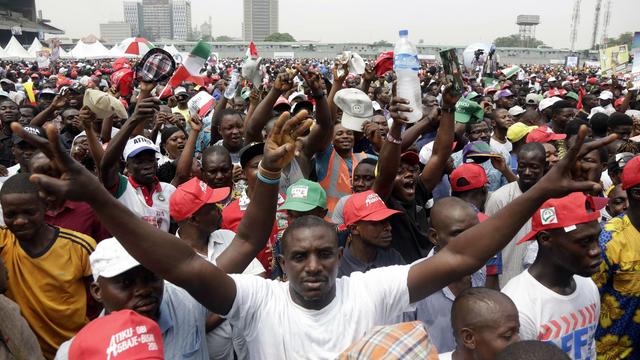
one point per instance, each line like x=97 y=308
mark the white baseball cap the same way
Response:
x=136 y=145
x=110 y=259
x=297 y=94
x=545 y=103
x=516 y=110
x=356 y=108
x=552 y=79
x=606 y=95
x=426 y=152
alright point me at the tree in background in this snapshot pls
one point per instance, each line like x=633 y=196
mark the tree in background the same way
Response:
x=515 y=41
x=280 y=37
x=223 y=38
x=623 y=39
x=382 y=43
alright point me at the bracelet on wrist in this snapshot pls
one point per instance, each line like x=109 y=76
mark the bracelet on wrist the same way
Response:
x=449 y=110
x=273 y=175
x=267 y=180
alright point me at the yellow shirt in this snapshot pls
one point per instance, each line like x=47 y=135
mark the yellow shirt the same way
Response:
x=50 y=288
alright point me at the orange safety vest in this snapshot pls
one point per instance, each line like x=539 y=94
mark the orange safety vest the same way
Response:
x=337 y=182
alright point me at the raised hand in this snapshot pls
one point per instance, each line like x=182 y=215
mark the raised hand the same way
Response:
x=75 y=181
x=284 y=81
x=87 y=117
x=397 y=107
x=566 y=176
x=59 y=101
x=312 y=78
x=339 y=78
x=449 y=100
x=146 y=109
x=196 y=123
x=369 y=73
x=280 y=146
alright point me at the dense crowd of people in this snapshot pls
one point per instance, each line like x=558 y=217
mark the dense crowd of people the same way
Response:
x=303 y=215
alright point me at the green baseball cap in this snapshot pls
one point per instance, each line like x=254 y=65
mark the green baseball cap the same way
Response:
x=573 y=95
x=465 y=109
x=304 y=195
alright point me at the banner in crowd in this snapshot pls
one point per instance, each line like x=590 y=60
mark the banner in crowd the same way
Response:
x=613 y=58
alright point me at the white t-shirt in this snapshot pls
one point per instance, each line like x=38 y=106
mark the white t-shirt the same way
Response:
x=445 y=356
x=277 y=328
x=503 y=149
x=157 y=214
x=568 y=322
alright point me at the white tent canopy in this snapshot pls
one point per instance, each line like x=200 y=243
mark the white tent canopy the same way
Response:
x=90 y=51
x=35 y=47
x=15 y=51
x=3 y=54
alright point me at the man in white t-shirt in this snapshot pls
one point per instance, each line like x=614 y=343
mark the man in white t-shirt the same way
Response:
x=140 y=190
x=313 y=315
x=501 y=120
x=556 y=298
x=484 y=323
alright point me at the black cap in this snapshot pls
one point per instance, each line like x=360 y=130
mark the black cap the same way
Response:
x=35 y=130
x=250 y=151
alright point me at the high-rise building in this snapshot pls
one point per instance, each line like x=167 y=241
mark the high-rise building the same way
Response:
x=115 y=31
x=260 y=19
x=157 y=19
x=181 y=20
x=133 y=16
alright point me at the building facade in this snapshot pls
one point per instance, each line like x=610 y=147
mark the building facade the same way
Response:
x=157 y=19
x=133 y=16
x=181 y=19
x=115 y=31
x=260 y=19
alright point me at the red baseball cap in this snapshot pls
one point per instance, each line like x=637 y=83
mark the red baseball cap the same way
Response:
x=282 y=102
x=122 y=334
x=191 y=196
x=618 y=102
x=573 y=209
x=367 y=206
x=543 y=135
x=631 y=173
x=410 y=157
x=473 y=175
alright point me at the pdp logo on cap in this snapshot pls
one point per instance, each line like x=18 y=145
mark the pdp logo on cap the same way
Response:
x=300 y=192
x=548 y=216
x=357 y=109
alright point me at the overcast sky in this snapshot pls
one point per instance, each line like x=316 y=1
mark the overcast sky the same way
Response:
x=447 y=22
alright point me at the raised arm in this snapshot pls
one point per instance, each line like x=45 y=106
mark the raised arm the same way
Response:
x=425 y=125
x=368 y=76
x=108 y=166
x=321 y=134
x=162 y=253
x=389 y=159
x=471 y=249
x=434 y=168
x=335 y=87
x=262 y=114
x=183 y=168
x=87 y=117
x=49 y=113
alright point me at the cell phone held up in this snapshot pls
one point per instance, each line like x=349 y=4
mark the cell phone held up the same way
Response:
x=452 y=70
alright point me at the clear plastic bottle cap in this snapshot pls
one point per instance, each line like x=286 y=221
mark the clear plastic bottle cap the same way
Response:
x=404 y=32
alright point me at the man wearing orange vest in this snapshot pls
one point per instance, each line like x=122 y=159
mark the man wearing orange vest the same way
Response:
x=334 y=166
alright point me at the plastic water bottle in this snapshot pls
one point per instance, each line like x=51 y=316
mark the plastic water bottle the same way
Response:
x=230 y=91
x=406 y=66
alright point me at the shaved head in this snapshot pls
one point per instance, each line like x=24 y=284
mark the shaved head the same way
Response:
x=450 y=217
x=448 y=210
x=480 y=307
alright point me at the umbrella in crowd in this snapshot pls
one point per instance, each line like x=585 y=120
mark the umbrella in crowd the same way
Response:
x=136 y=46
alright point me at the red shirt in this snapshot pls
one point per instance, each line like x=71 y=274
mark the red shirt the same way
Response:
x=78 y=216
x=233 y=213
